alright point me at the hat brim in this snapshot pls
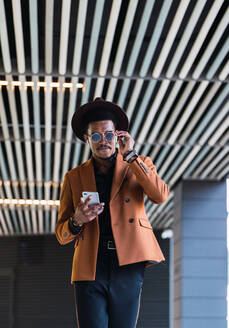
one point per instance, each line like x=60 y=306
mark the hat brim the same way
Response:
x=78 y=117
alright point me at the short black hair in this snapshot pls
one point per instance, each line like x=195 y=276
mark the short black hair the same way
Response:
x=96 y=116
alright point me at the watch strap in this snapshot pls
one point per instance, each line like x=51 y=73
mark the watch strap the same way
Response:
x=131 y=156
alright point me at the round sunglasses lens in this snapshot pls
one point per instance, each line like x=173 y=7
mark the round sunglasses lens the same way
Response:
x=109 y=136
x=95 y=137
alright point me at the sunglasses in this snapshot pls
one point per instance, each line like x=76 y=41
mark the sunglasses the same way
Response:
x=97 y=137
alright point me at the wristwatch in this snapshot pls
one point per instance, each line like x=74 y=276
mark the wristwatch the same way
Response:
x=77 y=226
x=74 y=228
x=131 y=156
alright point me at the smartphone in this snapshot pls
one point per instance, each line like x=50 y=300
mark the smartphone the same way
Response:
x=123 y=139
x=95 y=197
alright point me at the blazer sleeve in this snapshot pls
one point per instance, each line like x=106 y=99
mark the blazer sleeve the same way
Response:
x=154 y=187
x=66 y=211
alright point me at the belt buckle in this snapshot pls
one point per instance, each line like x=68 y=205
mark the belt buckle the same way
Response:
x=109 y=245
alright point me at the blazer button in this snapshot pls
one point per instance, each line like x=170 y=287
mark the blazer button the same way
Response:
x=131 y=220
x=127 y=200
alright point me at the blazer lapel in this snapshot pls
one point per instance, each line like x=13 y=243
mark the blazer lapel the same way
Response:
x=120 y=171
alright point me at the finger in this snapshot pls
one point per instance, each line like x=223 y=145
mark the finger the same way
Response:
x=87 y=200
x=94 y=206
x=95 y=210
x=122 y=133
x=100 y=211
x=81 y=201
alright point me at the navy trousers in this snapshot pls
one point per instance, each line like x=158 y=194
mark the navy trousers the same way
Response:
x=113 y=299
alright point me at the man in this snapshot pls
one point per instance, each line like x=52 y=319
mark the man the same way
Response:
x=114 y=240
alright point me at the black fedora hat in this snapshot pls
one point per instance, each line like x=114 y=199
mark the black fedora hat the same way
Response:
x=82 y=113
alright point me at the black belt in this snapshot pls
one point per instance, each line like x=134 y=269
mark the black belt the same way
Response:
x=108 y=244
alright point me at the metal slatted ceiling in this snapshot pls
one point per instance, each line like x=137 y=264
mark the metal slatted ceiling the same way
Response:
x=165 y=62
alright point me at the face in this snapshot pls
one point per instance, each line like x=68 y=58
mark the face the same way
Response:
x=102 y=149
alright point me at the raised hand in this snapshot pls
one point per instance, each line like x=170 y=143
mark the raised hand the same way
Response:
x=126 y=142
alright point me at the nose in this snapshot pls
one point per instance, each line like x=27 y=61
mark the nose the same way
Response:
x=103 y=139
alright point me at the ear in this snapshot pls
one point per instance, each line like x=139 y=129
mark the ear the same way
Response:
x=85 y=136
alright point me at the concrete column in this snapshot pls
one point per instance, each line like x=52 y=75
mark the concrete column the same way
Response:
x=200 y=255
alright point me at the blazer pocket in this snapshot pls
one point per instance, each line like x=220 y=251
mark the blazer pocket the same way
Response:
x=145 y=223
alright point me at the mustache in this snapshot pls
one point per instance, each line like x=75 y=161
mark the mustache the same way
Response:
x=103 y=147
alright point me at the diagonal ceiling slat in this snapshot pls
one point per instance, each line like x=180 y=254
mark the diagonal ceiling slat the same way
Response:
x=16 y=134
x=94 y=37
x=220 y=130
x=218 y=169
x=187 y=112
x=107 y=46
x=37 y=135
x=201 y=109
x=139 y=37
x=214 y=162
x=134 y=97
x=8 y=145
x=122 y=47
x=211 y=46
x=164 y=112
x=153 y=110
x=177 y=110
x=124 y=37
x=4 y=39
x=27 y=136
x=218 y=60
x=204 y=123
x=79 y=36
x=142 y=109
x=111 y=89
x=170 y=38
x=4 y=229
x=49 y=12
x=223 y=173
x=187 y=155
x=201 y=161
x=109 y=37
x=122 y=94
x=225 y=72
x=65 y=20
x=200 y=38
x=33 y=20
x=185 y=38
x=17 y=19
x=155 y=37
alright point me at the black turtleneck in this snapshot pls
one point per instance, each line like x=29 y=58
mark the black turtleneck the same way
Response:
x=103 y=186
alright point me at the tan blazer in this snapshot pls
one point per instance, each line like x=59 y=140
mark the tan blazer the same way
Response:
x=132 y=231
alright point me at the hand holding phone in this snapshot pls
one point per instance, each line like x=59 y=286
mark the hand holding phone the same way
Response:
x=88 y=208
